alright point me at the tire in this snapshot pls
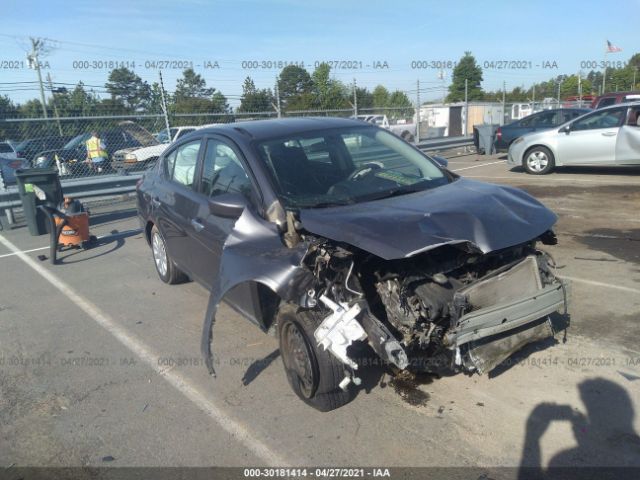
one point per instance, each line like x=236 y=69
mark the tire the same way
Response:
x=313 y=373
x=167 y=270
x=538 y=161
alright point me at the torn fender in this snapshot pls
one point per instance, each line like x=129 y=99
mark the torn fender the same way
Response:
x=254 y=252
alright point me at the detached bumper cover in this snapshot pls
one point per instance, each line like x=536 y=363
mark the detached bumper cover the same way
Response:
x=507 y=316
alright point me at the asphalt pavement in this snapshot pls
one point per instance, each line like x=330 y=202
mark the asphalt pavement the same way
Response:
x=100 y=362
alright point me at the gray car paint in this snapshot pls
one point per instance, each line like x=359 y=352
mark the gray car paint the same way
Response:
x=489 y=217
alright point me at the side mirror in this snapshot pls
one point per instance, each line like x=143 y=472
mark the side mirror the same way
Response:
x=228 y=205
x=566 y=129
x=443 y=162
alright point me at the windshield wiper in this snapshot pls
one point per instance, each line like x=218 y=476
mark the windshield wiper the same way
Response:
x=395 y=192
x=328 y=204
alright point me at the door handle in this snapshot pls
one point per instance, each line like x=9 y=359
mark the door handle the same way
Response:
x=609 y=134
x=197 y=226
x=155 y=202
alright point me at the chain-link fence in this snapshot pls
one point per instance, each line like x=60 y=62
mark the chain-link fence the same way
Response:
x=131 y=143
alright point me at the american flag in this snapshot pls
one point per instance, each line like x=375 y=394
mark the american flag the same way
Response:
x=611 y=48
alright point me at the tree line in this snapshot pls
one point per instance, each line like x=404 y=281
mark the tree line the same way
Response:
x=618 y=79
x=125 y=93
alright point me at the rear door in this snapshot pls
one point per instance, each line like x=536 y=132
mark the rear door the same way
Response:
x=592 y=138
x=176 y=202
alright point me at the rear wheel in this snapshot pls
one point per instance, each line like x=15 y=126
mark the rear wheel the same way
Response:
x=313 y=373
x=538 y=161
x=167 y=271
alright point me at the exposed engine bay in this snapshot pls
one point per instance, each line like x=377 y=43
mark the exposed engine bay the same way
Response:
x=453 y=306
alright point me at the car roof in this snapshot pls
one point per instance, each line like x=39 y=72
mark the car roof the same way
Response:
x=621 y=104
x=274 y=128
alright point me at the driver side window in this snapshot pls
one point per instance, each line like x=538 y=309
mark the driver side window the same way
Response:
x=222 y=171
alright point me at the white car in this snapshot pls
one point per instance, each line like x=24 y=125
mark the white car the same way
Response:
x=141 y=157
x=605 y=137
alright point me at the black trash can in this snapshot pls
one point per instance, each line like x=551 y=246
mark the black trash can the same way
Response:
x=38 y=186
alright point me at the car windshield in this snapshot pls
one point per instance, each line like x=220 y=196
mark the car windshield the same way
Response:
x=75 y=141
x=347 y=165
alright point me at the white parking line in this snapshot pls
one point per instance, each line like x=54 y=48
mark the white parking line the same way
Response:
x=236 y=429
x=23 y=251
x=552 y=179
x=478 y=166
x=601 y=284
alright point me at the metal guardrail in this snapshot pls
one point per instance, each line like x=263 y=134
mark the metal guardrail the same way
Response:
x=444 y=143
x=79 y=188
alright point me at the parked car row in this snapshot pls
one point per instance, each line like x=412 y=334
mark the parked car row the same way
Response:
x=608 y=136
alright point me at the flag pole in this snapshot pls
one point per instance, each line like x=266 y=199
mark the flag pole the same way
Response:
x=604 y=75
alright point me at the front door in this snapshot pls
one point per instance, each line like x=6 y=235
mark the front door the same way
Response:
x=222 y=172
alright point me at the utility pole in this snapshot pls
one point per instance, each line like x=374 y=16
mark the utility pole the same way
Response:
x=277 y=105
x=53 y=100
x=580 y=87
x=37 y=47
x=355 y=98
x=533 y=100
x=559 y=84
x=466 y=106
x=635 y=70
x=164 y=107
x=504 y=99
x=418 y=111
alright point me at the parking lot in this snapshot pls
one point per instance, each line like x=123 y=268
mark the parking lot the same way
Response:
x=101 y=363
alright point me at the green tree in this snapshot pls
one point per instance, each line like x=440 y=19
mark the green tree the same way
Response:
x=401 y=105
x=295 y=88
x=365 y=97
x=128 y=89
x=469 y=70
x=253 y=99
x=193 y=96
x=8 y=110
x=328 y=93
x=380 y=97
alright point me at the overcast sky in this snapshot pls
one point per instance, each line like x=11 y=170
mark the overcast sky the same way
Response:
x=365 y=33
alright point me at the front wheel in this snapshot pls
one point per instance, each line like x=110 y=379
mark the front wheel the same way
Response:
x=313 y=373
x=167 y=271
x=538 y=161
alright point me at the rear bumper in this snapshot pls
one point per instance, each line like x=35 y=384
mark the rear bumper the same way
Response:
x=122 y=165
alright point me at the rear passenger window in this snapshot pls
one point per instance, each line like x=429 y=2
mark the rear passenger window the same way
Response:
x=605 y=102
x=181 y=163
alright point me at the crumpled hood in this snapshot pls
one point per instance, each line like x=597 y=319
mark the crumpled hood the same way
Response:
x=491 y=217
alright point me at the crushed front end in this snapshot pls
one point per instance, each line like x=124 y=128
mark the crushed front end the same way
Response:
x=452 y=306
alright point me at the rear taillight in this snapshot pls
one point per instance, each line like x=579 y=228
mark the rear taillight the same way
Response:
x=499 y=134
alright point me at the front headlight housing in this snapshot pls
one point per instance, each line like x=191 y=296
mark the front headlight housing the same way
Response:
x=130 y=158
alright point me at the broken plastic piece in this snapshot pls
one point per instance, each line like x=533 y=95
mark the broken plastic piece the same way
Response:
x=339 y=330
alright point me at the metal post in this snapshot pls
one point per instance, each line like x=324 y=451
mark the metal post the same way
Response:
x=36 y=44
x=580 y=87
x=418 y=111
x=355 y=99
x=635 y=70
x=164 y=107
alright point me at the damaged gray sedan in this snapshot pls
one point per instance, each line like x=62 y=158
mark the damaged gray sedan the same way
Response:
x=349 y=243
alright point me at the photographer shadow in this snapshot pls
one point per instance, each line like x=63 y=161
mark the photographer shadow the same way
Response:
x=607 y=443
